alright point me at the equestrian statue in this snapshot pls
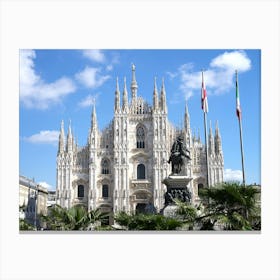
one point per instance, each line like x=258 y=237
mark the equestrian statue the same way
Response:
x=178 y=153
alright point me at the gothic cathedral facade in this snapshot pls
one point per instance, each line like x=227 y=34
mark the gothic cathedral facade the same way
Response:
x=122 y=167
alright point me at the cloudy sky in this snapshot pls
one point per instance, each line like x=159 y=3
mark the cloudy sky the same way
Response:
x=60 y=85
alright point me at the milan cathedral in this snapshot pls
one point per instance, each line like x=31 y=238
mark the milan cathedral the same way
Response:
x=121 y=168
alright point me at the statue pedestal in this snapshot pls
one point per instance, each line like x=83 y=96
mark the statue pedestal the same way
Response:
x=177 y=188
x=173 y=181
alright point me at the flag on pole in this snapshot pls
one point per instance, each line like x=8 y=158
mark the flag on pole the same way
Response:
x=238 y=107
x=204 y=102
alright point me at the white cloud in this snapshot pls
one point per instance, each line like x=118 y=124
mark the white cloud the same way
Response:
x=28 y=77
x=94 y=55
x=46 y=185
x=44 y=137
x=236 y=60
x=218 y=78
x=90 y=77
x=88 y=101
x=34 y=91
x=171 y=75
x=232 y=175
x=109 y=67
x=98 y=56
x=115 y=59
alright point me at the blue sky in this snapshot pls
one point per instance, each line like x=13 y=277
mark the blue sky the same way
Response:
x=60 y=85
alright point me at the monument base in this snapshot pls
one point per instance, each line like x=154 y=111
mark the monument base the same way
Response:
x=170 y=211
x=177 y=181
x=177 y=189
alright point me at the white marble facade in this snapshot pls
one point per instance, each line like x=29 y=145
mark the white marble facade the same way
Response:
x=122 y=167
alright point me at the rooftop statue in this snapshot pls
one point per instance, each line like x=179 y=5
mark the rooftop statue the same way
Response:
x=178 y=153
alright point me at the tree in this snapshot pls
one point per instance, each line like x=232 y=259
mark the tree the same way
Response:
x=230 y=206
x=186 y=213
x=24 y=225
x=146 y=222
x=75 y=218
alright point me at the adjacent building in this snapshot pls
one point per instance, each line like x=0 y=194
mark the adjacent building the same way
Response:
x=51 y=198
x=32 y=200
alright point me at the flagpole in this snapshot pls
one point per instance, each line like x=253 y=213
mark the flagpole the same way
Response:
x=205 y=109
x=242 y=154
x=206 y=148
x=240 y=131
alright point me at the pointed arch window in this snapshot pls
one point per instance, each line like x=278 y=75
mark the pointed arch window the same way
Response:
x=105 y=167
x=105 y=191
x=141 y=171
x=81 y=191
x=140 y=138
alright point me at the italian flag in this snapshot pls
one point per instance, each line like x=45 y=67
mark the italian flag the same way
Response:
x=238 y=107
x=204 y=102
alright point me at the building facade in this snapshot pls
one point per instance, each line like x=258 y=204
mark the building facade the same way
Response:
x=51 y=198
x=122 y=167
x=32 y=200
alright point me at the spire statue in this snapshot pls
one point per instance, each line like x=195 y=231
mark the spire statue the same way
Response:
x=134 y=85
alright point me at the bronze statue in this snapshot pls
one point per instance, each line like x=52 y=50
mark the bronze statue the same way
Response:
x=178 y=152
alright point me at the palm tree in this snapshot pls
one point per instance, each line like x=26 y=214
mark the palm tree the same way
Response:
x=75 y=218
x=56 y=219
x=146 y=222
x=230 y=205
x=187 y=213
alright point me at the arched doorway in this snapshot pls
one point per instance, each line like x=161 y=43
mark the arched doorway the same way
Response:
x=145 y=208
x=140 y=208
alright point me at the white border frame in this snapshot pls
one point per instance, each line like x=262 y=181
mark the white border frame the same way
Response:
x=140 y=24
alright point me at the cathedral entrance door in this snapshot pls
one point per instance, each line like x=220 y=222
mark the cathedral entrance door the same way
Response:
x=141 y=208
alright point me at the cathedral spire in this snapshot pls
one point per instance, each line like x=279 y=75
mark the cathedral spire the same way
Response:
x=94 y=127
x=217 y=132
x=69 y=139
x=61 y=138
x=125 y=97
x=134 y=85
x=218 y=141
x=117 y=97
x=163 y=97
x=211 y=141
x=76 y=143
x=194 y=135
x=93 y=116
x=187 y=118
x=70 y=129
x=155 y=96
x=198 y=135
